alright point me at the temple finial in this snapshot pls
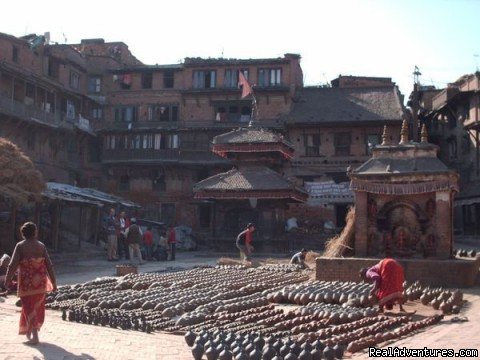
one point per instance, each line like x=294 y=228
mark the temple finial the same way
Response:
x=385 y=136
x=404 y=133
x=424 y=135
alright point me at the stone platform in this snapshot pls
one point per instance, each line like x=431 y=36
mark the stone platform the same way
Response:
x=446 y=273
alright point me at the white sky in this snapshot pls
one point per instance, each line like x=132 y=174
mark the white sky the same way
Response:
x=364 y=37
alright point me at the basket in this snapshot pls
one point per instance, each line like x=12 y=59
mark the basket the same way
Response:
x=126 y=269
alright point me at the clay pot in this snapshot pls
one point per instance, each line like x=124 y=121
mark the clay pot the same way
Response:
x=190 y=338
x=225 y=355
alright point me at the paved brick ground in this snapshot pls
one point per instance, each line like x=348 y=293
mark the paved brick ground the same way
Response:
x=65 y=340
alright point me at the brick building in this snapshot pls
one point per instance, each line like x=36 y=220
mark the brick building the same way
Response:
x=452 y=116
x=333 y=128
x=45 y=110
x=94 y=115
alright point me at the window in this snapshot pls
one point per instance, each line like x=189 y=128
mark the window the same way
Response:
x=372 y=141
x=204 y=79
x=168 y=79
x=162 y=113
x=97 y=113
x=312 y=144
x=94 y=84
x=124 y=183
x=74 y=80
x=147 y=80
x=172 y=141
x=235 y=111
x=53 y=68
x=452 y=148
x=148 y=141
x=126 y=114
x=231 y=78
x=269 y=77
x=342 y=144
x=70 y=109
x=29 y=94
x=15 y=54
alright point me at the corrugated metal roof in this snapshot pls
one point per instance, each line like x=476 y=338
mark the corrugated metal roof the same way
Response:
x=91 y=196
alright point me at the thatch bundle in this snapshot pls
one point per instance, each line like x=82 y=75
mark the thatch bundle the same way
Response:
x=19 y=180
x=342 y=244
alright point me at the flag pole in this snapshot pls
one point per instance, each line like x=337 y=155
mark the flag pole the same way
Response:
x=254 y=114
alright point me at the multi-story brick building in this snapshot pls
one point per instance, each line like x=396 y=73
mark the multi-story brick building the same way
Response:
x=333 y=128
x=104 y=119
x=453 y=120
x=44 y=108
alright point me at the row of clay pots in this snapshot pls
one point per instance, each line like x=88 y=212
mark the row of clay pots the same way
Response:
x=438 y=298
x=407 y=329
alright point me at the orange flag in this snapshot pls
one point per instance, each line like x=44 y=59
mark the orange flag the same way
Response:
x=246 y=88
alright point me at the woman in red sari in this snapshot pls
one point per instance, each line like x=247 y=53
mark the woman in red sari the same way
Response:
x=387 y=277
x=35 y=279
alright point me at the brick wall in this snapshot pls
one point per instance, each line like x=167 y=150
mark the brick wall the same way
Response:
x=446 y=273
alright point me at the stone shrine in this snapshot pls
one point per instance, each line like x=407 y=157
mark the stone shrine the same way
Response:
x=404 y=200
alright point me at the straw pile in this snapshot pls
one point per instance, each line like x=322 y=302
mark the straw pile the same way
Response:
x=20 y=182
x=342 y=245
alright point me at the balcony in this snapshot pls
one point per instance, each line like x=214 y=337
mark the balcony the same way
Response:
x=33 y=114
x=140 y=155
x=164 y=156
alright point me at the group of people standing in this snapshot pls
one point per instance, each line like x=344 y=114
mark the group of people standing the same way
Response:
x=125 y=239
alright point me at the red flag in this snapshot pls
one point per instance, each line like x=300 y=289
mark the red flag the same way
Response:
x=246 y=88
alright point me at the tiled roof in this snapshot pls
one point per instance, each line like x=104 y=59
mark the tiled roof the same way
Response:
x=252 y=178
x=249 y=135
x=334 y=105
x=402 y=166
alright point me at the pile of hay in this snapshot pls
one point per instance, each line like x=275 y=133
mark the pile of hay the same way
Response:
x=20 y=182
x=342 y=245
x=310 y=258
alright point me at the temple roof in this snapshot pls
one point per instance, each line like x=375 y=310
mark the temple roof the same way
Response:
x=251 y=181
x=391 y=166
x=333 y=105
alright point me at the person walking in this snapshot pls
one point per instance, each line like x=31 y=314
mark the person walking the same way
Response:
x=172 y=242
x=387 y=277
x=112 y=242
x=123 y=225
x=244 y=242
x=148 y=243
x=35 y=278
x=134 y=239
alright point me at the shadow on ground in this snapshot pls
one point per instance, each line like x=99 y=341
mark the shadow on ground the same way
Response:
x=54 y=352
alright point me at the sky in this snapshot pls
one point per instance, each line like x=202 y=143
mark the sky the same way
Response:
x=383 y=38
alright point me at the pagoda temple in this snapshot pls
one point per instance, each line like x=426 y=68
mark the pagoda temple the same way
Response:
x=254 y=190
